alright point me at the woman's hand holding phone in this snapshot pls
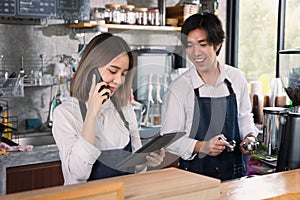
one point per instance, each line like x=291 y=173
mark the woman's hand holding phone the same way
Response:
x=98 y=94
x=96 y=98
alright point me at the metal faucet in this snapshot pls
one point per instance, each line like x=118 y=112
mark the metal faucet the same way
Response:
x=53 y=104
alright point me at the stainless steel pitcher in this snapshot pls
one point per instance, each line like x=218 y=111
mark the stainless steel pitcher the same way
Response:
x=288 y=157
x=273 y=119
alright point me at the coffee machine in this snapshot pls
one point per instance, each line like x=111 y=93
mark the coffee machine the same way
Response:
x=288 y=156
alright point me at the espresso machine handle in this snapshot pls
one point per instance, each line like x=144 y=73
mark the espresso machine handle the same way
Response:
x=150 y=101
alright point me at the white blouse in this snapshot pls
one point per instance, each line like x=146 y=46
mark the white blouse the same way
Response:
x=178 y=105
x=76 y=153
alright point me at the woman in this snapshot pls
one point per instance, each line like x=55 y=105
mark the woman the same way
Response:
x=97 y=128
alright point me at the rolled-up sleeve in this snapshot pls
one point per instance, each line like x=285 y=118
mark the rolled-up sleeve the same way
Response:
x=77 y=155
x=80 y=159
x=178 y=117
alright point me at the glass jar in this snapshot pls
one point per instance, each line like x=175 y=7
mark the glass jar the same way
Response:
x=112 y=13
x=98 y=14
x=123 y=14
x=116 y=14
x=153 y=17
x=108 y=13
x=130 y=14
x=141 y=16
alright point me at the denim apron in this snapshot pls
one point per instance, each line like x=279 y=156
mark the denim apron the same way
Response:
x=105 y=165
x=213 y=116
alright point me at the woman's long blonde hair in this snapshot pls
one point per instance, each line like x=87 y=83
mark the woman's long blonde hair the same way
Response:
x=100 y=51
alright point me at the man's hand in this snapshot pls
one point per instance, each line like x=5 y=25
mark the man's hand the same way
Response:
x=214 y=146
x=246 y=140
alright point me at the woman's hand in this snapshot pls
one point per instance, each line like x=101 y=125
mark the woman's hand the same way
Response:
x=97 y=96
x=153 y=160
x=95 y=101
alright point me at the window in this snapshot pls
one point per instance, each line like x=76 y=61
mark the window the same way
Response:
x=292 y=24
x=257 y=40
x=257 y=37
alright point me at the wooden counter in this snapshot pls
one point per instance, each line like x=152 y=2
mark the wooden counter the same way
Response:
x=41 y=155
x=38 y=155
x=173 y=183
x=262 y=187
x=167 y=184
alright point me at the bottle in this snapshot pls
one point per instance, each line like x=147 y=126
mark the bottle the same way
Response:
x=257 y=100
x=7 y=132
x=277 y=93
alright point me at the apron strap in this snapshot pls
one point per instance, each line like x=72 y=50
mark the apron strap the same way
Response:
x=228 y=83
x=196 y=116
x=229 y=86
x=196 y=91
x=126 y=124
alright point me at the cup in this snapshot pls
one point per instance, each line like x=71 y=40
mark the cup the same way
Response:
x=276 y=90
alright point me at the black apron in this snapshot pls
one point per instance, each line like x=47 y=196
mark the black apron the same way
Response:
x=213 y=116
x=105 y=165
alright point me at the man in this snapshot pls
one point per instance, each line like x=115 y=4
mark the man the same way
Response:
x=210 y=102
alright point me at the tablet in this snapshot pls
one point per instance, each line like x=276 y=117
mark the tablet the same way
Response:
x=158 y=142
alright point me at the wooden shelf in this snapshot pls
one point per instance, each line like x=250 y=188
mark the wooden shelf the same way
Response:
x=93 y=24
x=83 y=25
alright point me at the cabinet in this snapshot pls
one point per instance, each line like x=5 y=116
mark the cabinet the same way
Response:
x=36 y=176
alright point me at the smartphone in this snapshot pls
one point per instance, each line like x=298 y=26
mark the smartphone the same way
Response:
x=98 y=79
